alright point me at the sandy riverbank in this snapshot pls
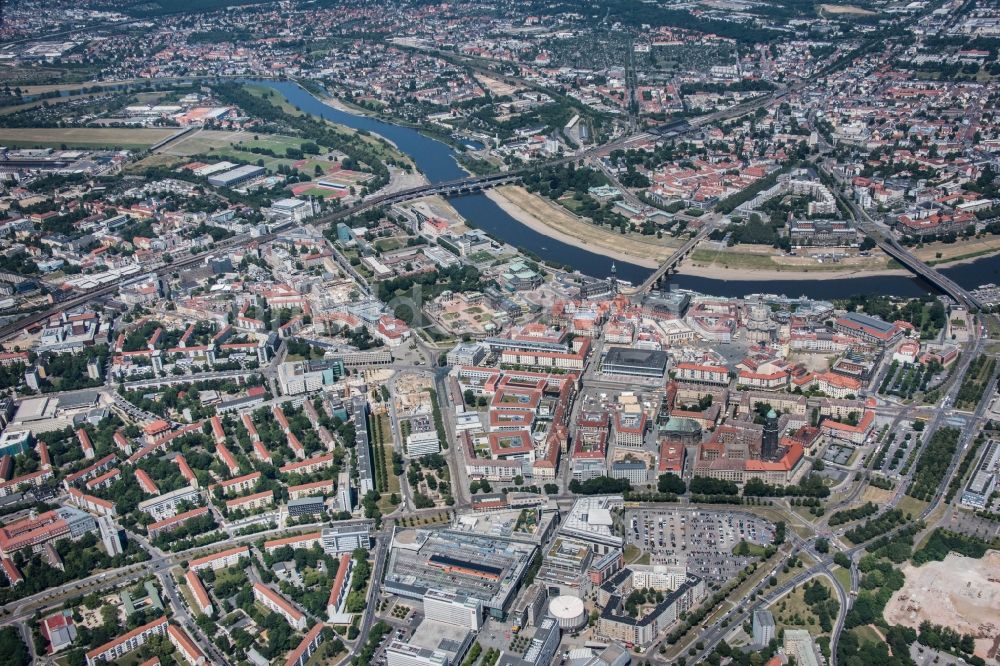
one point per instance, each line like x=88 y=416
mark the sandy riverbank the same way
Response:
x=541 y=216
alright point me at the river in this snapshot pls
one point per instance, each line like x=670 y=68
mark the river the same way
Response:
x=436 y=160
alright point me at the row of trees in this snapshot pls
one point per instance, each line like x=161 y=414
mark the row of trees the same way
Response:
x=933 y=463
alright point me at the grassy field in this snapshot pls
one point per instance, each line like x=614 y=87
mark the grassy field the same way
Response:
x=7 y=110
x=868 y=634
x=844 y=577
x=755 y=549
x=153 y=160
x=325 y=656
x=735 y=259
x=82 y=137
x=939 y=253
x=877 y=495
x=844 y=9
x=384 y=149
x=385 y=447
x=221 y=144
x=791 y=611
x=276 y=99
x=911 y=505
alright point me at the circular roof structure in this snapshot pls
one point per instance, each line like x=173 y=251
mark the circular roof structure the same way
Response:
x=566 y=607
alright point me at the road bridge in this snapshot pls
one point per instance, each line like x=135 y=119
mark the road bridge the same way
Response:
x=928 y=274
x=907 y=259
x=674 y=260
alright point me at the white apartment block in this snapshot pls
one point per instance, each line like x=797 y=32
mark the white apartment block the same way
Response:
x=133 y=640
x=220 y=560
x=451 y=608
x=165 y=506
x=422 y=443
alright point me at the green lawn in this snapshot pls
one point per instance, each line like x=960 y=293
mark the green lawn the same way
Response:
x=844 y=577
x=911 y=505
x=866 y=633
x=791 y=611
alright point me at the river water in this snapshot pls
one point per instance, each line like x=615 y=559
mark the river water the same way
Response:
x=436 y=160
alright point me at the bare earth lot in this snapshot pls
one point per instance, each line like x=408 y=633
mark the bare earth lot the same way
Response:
x=961 y=592
x=83 y=137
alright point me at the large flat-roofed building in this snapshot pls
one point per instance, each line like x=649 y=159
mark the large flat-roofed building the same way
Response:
x=307 y=376
x=237 y=176
x=565 y=565
x=362 y=447
x=541 y=650
x=403 y=654
x=346 y=537
x=590 y=521
x=763 y=627
x=165 y=506
x=634 y=471
x=634 y=362
x=306 y=506
x=484 y=568
x=798 y=643
x=984 y=479
x=422 y=443
x=467 y=353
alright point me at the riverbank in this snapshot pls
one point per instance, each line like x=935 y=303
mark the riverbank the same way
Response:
x=550 y=220
x=962 y=251
x=763 y=275
x=759 y=263
x=762 y=266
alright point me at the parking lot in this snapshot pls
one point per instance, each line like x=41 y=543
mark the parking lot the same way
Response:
x=419 y=423
x=967 y=522
x=402 y=630
x=702 y=540
x=898 y=446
